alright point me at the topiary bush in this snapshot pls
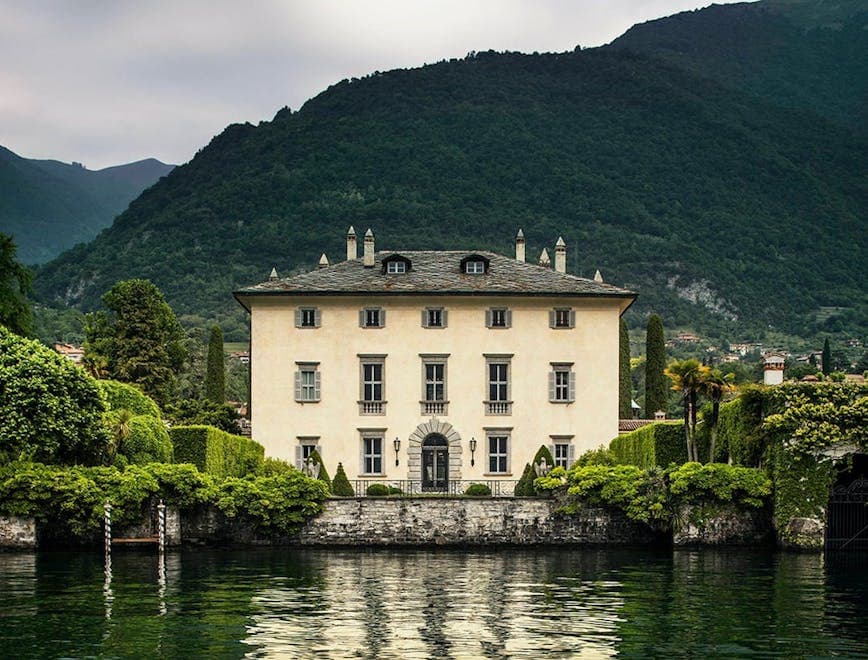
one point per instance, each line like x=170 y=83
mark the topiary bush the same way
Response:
x=543 y=452
x=656 y=444
x=377 y=490
x=323 y=473
x=341 y=486
x=216 y=452
x=123 y=396
x=524 y=487
x=50 y=409
x=478 y=490
x=394 y=490
x=147 y=441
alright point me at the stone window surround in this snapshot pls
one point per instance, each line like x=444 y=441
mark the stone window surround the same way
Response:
x=308 y=318
x=434 y=406
x=367 y=433
x=567 y=368
x=498 y=432
x=307 y=366
x=498 y=407
x=557 y=320
x=302 y=442
x=426 y=318
x=563 y=439
x=365 y=405
x=366 y=314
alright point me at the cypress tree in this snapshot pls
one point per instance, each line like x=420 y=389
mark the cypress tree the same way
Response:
x=655 y=363
x=215 y=375
x=625 y=394
x=524 y=487
x=827 y=358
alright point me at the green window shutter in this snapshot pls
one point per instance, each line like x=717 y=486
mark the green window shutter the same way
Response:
x=487 y=318
x=552 y=318
x=317 y=315
x=361 y=318
x=424 y=318
x=298 y=317
x=316 y=385
x=552 y=377
x=299 y=461
x=572 y=318
x=382 y=318
x=572 y=390
x=571 y=454
x=298 y=385
x=443 y=317
x=508 y=315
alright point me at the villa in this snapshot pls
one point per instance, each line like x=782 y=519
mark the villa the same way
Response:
x=433 y=367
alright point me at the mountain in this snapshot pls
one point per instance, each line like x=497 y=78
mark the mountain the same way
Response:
x=49 y=206
x=803 y=54
x=725 y=209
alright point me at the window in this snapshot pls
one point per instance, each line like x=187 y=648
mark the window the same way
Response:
x=498 y=317
x=373 y=370
x=563 y=450
x=498 y=452
x=305 y=447
x=433 y=384
x=433 y=317
x=497 y=376
x=307 y=317
x=307 y=382
x=395 y=267
x=474 y=267
x=372 y=453
x=562 y=317
x=372 y=317
x=562 y=383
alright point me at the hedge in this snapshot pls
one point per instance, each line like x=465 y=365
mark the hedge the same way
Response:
x=147 y=442
x=216 y=452
x=655 y=444
x=123 y=396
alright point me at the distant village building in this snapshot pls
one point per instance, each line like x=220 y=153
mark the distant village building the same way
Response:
x=743 y=348
x=242 y=356
x=773 y=367
x=74 y=353
x=434 y=367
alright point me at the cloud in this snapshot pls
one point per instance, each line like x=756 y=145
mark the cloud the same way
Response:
x=110 y=82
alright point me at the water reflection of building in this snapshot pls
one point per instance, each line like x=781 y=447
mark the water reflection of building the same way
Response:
x=440 y=604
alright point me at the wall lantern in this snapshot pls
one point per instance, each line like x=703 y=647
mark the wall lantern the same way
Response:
x=472 y=451
x=397 y=444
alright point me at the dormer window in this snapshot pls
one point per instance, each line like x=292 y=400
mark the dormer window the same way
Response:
x=395 y=264
x=474 y=264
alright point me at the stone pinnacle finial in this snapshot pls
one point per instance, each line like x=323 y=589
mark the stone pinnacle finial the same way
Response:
x=598 y=276
x=519 y=246
x=352 y=246
x=323 y=261
x=544 y=259
x=273 y=274
x=561 y=255
x=368 y=254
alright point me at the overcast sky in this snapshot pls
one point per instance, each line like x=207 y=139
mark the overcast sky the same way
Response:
x=112 y=81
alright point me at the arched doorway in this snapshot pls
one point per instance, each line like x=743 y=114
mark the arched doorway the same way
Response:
x=435 y=463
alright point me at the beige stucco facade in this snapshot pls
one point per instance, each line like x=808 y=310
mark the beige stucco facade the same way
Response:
x=530 y=345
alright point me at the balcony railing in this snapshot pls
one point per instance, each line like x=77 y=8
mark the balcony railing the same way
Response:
x=434 y=407
x=498 y=407
x=372 y=407
x=416 y=488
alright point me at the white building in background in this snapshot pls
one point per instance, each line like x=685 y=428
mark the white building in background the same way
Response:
x=773 y=368
x=433 y=367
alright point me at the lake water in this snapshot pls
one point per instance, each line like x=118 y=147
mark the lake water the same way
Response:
x=560 y=603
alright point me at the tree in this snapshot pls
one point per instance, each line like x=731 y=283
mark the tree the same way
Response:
x=715 y=385
x=50 y=410
x=341 y=486
x=688 y=378
x=139 y=339
x=625 y=383
x=655 y=363
x=827 y=358
x=15 y=280
x=215 y=375
x=193 y=412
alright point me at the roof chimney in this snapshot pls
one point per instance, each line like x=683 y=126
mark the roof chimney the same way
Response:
x=323 y=261
x=273 y=275
x=544 y=260
x=352 y=246
x=519 y=246
x=561 y=255
x=369 y=249
x=598 y=277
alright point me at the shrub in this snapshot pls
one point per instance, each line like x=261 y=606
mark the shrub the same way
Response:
x=195 y=412
x=478 y=490
x=123 y=396
x=394 y=490
x=272 y=467
x=216 y=452
x=599 y=456
x=341 y=486
x=50 y=409
x=693 y=482
x=524 y=487
x=147 y=442
x=377 y=490
x=653 y=445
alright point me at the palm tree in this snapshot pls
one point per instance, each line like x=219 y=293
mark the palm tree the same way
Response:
x=687 y=377
x=715 y=386
x=120 y=429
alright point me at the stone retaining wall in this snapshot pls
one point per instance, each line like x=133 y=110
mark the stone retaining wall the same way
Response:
x=17 y=533
x=463 y=521
x=722 y=524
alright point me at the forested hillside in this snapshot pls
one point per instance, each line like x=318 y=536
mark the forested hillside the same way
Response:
x=50 y=206
x=721 y=208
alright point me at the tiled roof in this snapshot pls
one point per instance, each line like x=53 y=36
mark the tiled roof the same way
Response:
x=435 y=273
x=627 y=425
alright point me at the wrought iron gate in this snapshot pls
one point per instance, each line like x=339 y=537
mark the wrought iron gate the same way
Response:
x=847 y=525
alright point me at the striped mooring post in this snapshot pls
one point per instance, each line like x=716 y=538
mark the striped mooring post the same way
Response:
x=161 y=525
x=108 y=527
